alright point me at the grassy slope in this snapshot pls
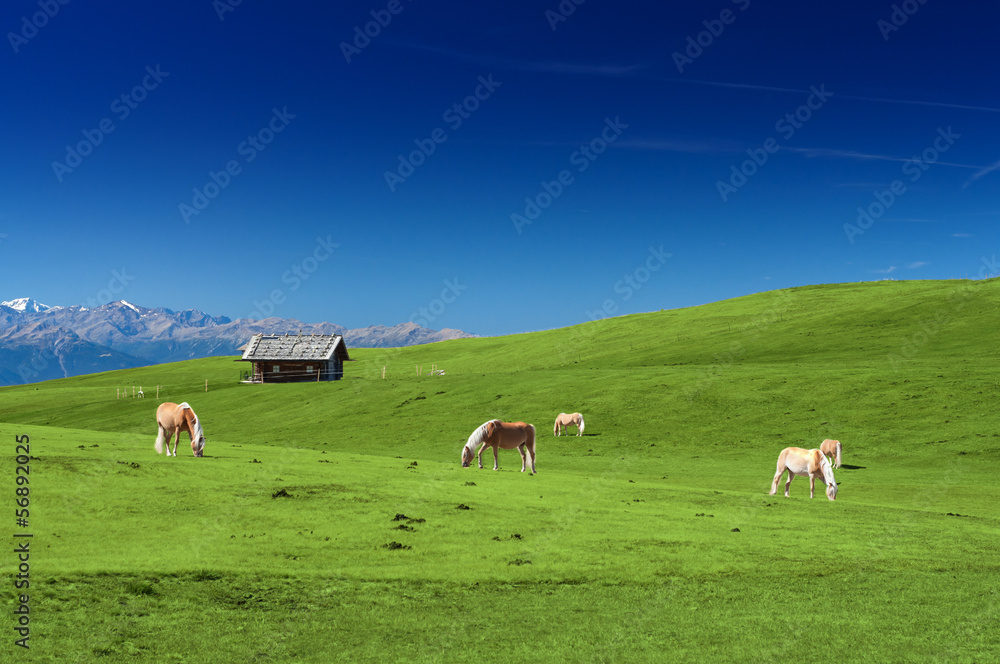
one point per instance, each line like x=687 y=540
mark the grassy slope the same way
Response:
x=686 y=411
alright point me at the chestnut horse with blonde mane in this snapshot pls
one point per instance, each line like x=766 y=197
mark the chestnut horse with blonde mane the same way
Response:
x=808 y=463
x=505 y=435
x=564 y=420
x=172 y=419
x=831 y=450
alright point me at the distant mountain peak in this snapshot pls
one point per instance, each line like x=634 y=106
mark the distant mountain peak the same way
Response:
x=26 y=304
x=120 y=334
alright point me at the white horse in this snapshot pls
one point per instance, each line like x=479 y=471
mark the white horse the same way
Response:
x=808 y=463
x=564 y=420
x=831 y=450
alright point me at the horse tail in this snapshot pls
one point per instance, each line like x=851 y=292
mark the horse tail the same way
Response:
x=555 y=427
x=838 y=454
x=580 y=431
x=159 y=439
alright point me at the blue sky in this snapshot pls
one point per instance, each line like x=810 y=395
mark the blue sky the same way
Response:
x=497 y=167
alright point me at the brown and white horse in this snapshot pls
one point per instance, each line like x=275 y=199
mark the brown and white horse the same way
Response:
x=172 y=419
x=831 y=450
x=497 y=434
x=809 y=463
x=564 y=420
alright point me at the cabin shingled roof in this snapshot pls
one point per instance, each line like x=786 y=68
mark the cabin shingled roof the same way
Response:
x=262 y=347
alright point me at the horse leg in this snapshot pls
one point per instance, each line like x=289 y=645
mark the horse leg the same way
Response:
x=812 y=485
x=496 y=458
x=520 y=450
x=177 y=439
x=788 y=482
x=480 y=455
x=777 y=478
x=531 y=451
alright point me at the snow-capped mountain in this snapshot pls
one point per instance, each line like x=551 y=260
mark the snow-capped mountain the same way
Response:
x=26 y=304
x=38 y=342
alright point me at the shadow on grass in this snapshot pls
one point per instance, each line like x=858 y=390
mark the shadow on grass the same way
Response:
x=847 y=467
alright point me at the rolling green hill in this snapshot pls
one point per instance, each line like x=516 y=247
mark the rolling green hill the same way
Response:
x=652 y=537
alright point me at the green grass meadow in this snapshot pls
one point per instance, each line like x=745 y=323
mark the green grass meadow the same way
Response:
x=332 y=522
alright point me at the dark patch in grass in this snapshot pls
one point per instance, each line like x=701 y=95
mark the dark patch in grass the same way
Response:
x=400 y=517
x=961 y=515
x=463 y=506
x=205 y=575
x=140 y=588
x=281 y=493
x=735 y=530
x=405 y=527
x=255 y=461
x=130 y=464
x=853 y=467
x=470 y=484
x=395 y=546
x=703 y=514
x=519 y=561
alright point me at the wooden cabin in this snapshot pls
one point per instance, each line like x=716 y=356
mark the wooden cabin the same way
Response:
x=291 y=358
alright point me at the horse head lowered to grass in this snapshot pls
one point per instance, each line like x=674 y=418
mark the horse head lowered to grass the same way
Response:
x=171 y=420
x=808 y=463
x=506 y=435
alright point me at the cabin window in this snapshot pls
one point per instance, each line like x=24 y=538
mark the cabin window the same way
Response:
x=309 y=368
x=276 y=368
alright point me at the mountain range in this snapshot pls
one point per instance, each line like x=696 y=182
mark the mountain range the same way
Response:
x=38 y=342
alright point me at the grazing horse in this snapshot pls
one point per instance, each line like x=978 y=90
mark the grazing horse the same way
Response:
x=172 y=419
x=831 y=450
x=811 y=463
x=564 y=420
x=497 y=434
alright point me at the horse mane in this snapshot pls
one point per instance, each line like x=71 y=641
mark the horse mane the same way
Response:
x=827 y=468
x=194 y=424
x=479 y=435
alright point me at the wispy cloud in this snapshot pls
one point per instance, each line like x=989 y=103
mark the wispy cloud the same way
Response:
x=836 y=95
x=980 y=173
x=711 y=146
x=888 y=270
x=917 y=264
x=836 y=153
x=961 y=235
x=543 y=66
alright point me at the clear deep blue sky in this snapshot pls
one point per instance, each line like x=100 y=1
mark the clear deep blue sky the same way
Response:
x=625 y=125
